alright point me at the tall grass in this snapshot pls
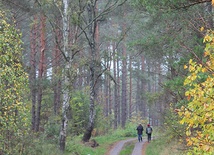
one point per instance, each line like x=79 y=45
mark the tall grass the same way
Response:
x=76 y=147
x=162 y=146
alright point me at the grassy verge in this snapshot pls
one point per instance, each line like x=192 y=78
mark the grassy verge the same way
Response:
x=128 y=148
x=76 y=147
x=161 y=146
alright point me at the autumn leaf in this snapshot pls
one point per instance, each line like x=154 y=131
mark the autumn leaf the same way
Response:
x=200 y=102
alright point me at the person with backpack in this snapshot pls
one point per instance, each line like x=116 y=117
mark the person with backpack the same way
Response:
x=149 y=132
x=139 y=132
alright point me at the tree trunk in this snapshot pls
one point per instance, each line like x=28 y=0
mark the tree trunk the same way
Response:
x=57 y=70
x=32 y=76
x=66 y=98
x=124 y=89
x=94 y=67
x=138 y=93
x=149 y=89
x=118 y=93
x=143 y=88
x=41 y=71
x=106 y=92
x=130 y=87
x=115 y=88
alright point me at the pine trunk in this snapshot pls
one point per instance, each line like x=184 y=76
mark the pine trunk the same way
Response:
x=32 y=76
x=41 y=71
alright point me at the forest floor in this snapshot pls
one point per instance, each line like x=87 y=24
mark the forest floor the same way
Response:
x=139 y=149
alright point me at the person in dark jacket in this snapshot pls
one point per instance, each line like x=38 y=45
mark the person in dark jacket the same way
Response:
x=149 y=132
x=139 y=132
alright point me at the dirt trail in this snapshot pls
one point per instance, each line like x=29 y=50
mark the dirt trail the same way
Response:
x=115 y=150
x=138 y=148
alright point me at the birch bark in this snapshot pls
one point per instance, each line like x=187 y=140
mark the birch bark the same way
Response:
x=66 y=97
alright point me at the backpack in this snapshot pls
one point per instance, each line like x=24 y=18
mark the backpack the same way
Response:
x=149 y=130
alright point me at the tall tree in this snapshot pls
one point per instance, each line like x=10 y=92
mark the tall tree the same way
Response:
x=66 y=98
x=13 y=85
x=32 y=76
x=41 y=70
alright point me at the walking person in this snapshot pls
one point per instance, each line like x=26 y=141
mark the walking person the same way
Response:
x=149 y=132
x=139 y=132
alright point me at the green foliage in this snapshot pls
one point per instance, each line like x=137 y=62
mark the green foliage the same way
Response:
x=163 y=5
x=14 y=116
x=79 y=112
x=76 y=147
x=52 y=129
x=40 y=145
x=199 y=113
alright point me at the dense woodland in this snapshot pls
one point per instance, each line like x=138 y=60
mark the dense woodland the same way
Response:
x=84 y=67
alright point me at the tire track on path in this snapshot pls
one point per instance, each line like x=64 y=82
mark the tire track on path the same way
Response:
x=118 y=146
x=115 y=150
x=138 y=148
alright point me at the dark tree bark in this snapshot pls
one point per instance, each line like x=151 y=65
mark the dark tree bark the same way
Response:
x=130 y=87
x=118 y=90
x=32 y=75
x=124 y=89
x=115 y=88
x=143 y=88
x=57 y=84
x=149 y=88
x=91 y=10
x=41 y=70
x=106 y=92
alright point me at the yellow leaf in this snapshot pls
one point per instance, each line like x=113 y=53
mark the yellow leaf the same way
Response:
x=202 y=28
x=185 y=66
x=206 y=53
x=212 y=2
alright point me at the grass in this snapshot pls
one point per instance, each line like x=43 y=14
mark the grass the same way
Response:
x=161 y=146
x=128 y=148
x=76 y=147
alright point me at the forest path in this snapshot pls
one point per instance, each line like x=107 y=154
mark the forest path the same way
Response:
x=138 y=149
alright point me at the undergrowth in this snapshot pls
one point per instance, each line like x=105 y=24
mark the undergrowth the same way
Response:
x=76 y=147
x=162 y=145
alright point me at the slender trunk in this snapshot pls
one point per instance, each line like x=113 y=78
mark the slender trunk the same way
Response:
x=109 y=88
x=41 y=71
x=91 y=8
x=124 y=88
x=115 y=88
x=32 y=76
x=149 y=90
x=118 y=93
x=106 y=96
x=143 y=89
x=56 y=71
x=130 y=87
x=124 y=109
x=66 y=98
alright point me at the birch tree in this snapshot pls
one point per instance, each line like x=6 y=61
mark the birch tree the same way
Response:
x=66 y=98
x=89 y=30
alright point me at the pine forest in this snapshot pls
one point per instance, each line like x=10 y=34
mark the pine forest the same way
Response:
x=78 y=76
